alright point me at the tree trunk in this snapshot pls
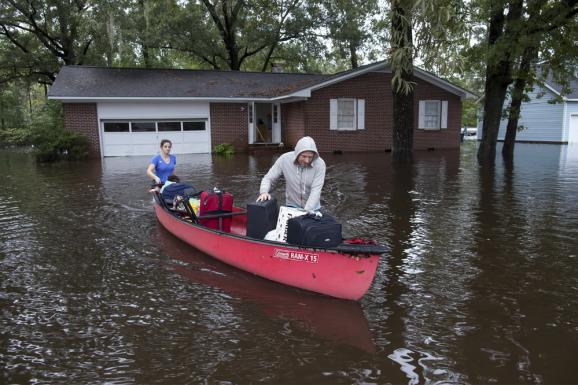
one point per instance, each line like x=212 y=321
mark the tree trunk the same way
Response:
x=403 y=96
x=110 y=33
x=403 y=125
x=517 y=95
x=494 y=96
x=2 y=123
x=513 y=117
x=145 y=56
x=234 y=62
x=494 y=91
x=353 y=54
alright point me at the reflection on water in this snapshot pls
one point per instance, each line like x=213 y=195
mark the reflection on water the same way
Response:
x=339 y=321
x=481 y=285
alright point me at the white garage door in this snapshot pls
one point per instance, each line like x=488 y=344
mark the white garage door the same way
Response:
x=573 y=130
x=142 y=137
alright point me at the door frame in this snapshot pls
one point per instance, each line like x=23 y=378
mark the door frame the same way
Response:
x=275 y=122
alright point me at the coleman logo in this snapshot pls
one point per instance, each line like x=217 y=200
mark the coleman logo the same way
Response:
x=296 y=255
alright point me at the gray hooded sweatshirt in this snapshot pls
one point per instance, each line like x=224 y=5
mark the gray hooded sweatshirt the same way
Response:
x=303 y=184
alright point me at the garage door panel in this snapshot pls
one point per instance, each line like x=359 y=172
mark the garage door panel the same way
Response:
x=117 y=150
x=147 y=143
x=145 y=149
x=116 y=138
x=175 y=137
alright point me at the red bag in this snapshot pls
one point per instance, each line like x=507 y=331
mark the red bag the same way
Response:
x=216 y=202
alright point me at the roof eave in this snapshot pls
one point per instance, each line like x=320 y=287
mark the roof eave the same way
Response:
x=304 y=93
x=462 y=93
x=552 y=89
x=84 y=99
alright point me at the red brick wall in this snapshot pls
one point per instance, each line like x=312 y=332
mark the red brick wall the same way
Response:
x=82 y=118
x=446 y=138
x=229 y=124
x=375 y=88
x=292 y=122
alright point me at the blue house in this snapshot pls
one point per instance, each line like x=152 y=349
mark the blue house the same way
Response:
x=544 y=121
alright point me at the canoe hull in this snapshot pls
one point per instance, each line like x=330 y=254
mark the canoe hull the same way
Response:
x=322 y=271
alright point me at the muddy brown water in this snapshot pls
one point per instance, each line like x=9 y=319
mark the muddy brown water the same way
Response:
x=481 y=285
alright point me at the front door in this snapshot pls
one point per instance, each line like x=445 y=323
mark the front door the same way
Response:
x=264 y=123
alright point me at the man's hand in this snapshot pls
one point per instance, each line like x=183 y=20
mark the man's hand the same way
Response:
x=263 y=197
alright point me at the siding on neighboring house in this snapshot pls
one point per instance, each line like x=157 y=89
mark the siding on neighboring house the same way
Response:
x=542 y=121
x=82 y=118
x=375 y=89
x=230 y=124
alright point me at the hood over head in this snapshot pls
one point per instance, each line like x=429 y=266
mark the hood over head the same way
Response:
x=306 y=143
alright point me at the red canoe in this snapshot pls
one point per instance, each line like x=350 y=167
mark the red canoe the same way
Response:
x=344 y=272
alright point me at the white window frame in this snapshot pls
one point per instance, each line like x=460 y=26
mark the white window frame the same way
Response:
x=358 y=114
x=156 y=123
x=442 y=115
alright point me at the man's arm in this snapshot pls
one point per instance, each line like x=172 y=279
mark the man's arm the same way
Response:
x=314 y=200
x=272 y=175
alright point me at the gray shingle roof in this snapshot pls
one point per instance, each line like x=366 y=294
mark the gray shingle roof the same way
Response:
x=87 y=82
x=573 y=83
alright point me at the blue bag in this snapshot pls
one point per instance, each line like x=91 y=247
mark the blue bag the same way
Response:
x=174 y=189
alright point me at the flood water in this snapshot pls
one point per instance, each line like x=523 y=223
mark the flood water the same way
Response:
x=481 y=285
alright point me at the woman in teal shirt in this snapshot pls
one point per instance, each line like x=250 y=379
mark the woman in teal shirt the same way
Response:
x=163 y=164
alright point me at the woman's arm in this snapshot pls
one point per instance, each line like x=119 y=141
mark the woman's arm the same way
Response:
x=151 y=173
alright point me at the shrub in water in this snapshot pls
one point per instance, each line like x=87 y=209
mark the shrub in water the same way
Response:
x=52 y=141
x=63 y=145
x=224 y=149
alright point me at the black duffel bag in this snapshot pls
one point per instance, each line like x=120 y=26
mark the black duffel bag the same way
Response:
x=314 y=231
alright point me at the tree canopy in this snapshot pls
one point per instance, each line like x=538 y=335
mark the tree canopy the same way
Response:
x=490 y=47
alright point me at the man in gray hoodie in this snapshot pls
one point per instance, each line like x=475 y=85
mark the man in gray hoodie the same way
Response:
x=304 y=173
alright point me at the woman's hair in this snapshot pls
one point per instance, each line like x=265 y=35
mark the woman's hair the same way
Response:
x=173 y=178
x=166 y=141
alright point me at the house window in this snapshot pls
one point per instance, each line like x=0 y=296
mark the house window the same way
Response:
x=433 y=114
x=347 y=114
x=116 y=127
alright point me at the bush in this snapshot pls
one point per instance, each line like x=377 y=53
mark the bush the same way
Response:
x=62 y=145
x=15 y=137
x=52 y=141
x=224 y=149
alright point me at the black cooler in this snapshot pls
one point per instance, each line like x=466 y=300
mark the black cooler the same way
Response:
x=261 y=218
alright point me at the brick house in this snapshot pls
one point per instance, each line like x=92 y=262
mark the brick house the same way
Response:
x=125 y=111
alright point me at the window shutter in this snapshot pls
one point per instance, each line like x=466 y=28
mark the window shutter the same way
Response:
x=333 y=114
x=444 y=114
x=361 y=114
x=421 y=120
